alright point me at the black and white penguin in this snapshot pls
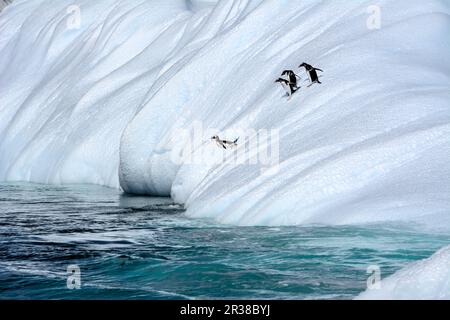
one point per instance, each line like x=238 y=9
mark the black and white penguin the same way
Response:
x=312 y=72
x=288 y=86
x=291 y=76
x=225 y=143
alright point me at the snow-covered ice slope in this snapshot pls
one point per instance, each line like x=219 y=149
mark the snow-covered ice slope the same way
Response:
x=427 y=279
x=104 y=103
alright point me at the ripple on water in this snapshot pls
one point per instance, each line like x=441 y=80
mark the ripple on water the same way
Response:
x=145 y=248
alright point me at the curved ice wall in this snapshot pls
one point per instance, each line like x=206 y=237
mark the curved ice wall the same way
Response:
x=104 y=91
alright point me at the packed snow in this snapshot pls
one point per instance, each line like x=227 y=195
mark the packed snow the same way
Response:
x=109 y=92
x=428 y=279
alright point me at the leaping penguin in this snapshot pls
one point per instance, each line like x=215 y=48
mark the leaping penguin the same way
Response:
x=288 y=86
x=225 y=143
x=312 y=72
x=292 y=77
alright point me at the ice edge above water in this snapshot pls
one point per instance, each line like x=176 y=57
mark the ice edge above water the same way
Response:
x=427 y=279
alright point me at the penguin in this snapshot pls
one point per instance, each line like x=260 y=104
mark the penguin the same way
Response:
x=225 y=143
x=312 y=73
x=292 y=77
x=288 y=86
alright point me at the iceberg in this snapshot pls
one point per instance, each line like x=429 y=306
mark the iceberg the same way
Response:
x=428 y=279
x=108 y=92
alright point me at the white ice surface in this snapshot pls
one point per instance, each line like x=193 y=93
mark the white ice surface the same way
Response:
x=100 y=104
x=428 y=279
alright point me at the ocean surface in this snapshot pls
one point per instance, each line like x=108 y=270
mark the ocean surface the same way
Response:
x=130 y=247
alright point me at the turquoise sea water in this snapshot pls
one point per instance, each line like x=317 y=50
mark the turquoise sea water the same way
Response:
x=145 y=248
